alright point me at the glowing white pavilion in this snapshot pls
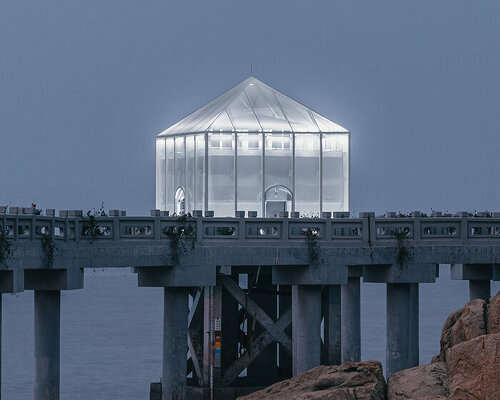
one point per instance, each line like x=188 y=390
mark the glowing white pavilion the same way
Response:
x=253 y=149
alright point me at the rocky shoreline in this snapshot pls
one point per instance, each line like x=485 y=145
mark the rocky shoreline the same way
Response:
x=467 y=368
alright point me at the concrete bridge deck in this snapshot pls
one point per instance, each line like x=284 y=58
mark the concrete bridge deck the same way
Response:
x=320 y=260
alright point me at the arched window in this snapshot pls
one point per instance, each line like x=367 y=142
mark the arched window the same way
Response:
x=278 y=198
x=180 y=201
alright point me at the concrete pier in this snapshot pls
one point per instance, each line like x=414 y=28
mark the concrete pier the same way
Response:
x=222 y=248
x=331 y=354
x=351 y=320
x=399 y=322
x=175 y=325
x=285 y=357
x=479 y=289
x=47 y=307
x=306 y=325
x=478 y=275
x=414 y=326
x=0 y=345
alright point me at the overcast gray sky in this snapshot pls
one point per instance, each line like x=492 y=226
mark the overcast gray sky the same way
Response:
x=86 y=85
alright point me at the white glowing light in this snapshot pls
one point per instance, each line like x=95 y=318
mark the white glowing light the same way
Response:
x=259 y=143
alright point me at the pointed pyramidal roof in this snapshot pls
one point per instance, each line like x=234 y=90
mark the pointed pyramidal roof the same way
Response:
x=252 y=106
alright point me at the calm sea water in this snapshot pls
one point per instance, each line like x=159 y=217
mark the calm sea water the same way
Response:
x=111 y=334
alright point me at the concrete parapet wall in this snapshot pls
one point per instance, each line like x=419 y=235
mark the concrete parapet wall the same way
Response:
x=373 y=244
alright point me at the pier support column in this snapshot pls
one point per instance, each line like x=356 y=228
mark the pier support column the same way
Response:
x=414 y=326
x=351 y=320
x=400 y=321
x=0 y=344
x=11 y=281
x=47 y=306
x=478 y=275
x=175 y=326
x=479 y=289
x=306 y=325
x=47 y=285
x=331 y=354
x=285 y=358
x=176 y=282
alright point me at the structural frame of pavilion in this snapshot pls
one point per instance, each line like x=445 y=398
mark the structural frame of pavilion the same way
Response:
x=253 y=148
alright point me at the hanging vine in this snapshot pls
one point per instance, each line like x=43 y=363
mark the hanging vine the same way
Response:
x=403 y=250
x=315 y=252
x=6 y=246
x=181 y=237
x=49 y=249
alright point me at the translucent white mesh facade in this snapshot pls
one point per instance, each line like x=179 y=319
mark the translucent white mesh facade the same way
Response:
x=253 y=149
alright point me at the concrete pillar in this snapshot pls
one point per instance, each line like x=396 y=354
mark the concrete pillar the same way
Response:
x=351 y=320
x=47 y=309
x=175 y=326
x=479 y=289
x=331 y=354
x=285 y=357
x=398 y=327
x=0 y=346
x=306 y=326
x=414 y=327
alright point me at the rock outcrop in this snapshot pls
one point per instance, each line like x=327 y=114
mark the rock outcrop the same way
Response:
x=493 y=315
x=349 y=381
x=467 y=368
x=462 y=325
x=425 y=381
x=470 y=346
x=474 y=369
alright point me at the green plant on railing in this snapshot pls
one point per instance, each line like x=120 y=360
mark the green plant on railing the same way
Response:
x=90 y=227
x=49 y=249
x=182 y=237
x=403 y=250
x=476 y=214
x=6 y=246
x=400 y=214
x=315 y=252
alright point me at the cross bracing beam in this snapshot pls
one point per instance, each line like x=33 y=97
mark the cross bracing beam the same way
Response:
x=258 y=345
x=278 y=334
x=196 y=352
x=194 y=307
x=194 y=340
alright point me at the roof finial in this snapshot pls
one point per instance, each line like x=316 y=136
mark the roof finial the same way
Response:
x=251 y=69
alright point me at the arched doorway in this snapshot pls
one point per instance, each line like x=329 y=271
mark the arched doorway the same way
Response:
x=278 y=198
x=180 y=201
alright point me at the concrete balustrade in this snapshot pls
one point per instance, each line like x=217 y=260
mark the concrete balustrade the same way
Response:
x=444 y=229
